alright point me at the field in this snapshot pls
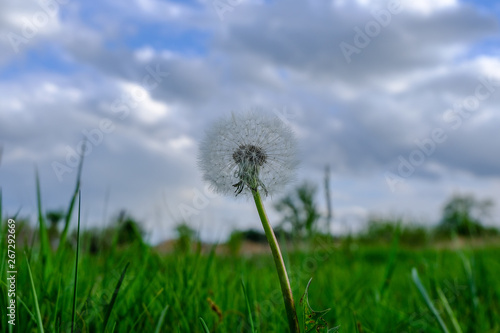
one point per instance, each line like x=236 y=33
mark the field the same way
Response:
x=369 y=288
x=110 y=280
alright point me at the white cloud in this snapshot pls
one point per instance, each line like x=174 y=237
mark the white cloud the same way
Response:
x=149 y=110
x=145 y=54
x=181 y=142
x=358 y=117
x=427 y=7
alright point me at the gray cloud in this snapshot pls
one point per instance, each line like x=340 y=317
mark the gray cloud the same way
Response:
x=358 y=116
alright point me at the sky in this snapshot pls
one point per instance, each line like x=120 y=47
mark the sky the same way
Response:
x=399 y=98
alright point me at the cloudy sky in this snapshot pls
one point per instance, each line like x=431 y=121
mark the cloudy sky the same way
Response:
x=400 y=98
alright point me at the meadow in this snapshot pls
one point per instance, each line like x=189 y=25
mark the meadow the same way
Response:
x=369 y=288
x=111 y=281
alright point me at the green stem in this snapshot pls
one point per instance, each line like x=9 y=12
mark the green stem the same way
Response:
x=280 y=265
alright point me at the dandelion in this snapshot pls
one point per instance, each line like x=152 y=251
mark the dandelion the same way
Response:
x=246 y=154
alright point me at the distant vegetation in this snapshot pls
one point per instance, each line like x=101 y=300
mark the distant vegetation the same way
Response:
x=462 y=216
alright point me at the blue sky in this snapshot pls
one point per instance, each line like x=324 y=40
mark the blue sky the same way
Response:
x=366 y=111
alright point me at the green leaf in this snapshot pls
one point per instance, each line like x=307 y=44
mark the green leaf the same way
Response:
x=75 y=284
x=249 y=309
x=313 y=320
x=448 y=309
x=67 y=218
x=39 y=320
x=113 y=298
x=427 y=299
x=205 y=327
x=44 y=238
x=162 y=318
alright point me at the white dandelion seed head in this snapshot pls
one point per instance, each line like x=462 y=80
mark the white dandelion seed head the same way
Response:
x=248 y=151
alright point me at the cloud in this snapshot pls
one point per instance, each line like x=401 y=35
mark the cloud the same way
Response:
x=90 y=71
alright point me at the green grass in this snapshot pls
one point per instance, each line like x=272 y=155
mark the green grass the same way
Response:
x=369 y=287
x=191 y=286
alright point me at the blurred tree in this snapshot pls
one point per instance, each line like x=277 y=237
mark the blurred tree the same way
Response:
x=463 y=213
x=255 y=236
x=96 y=240
x=125 y=230
x=299 y=210
x=235 y=242
x=128 y=229
x=54 y=217
x=185 y=237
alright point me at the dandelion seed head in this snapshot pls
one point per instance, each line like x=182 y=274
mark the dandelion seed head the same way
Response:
x=248 y=151
x=250 y=154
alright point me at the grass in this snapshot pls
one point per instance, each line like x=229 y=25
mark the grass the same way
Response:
x=369 y=288
x=112 y=298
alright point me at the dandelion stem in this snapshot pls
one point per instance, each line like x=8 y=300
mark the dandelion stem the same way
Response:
x=280 y=265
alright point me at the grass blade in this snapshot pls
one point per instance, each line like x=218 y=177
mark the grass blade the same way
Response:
x=145 y=310
x=204 y=326
x=57 y=309
x=160 y=321
x=67 y=218
x=113 y=298
x=76 y=264
x=470 y=280
x=447 y=306
x=25 y=306
x=391 y=265
x=37 y=308
x=44 y=238
x=250 y=319
x=427 y=299
x=209 y=265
